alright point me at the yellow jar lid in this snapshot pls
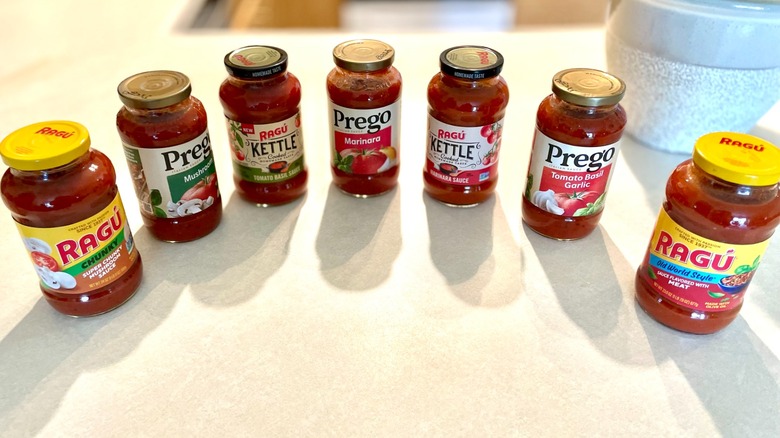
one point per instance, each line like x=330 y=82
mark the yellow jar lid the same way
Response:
x=738 y=158
x=45 y=145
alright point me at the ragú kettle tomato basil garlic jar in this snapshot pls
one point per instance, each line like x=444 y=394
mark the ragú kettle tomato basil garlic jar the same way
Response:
x=575 y=148
x=64 y=199
x=164 y=132
x=721 y=208
x=364 y=91
x=467 y=100
x=261 y=101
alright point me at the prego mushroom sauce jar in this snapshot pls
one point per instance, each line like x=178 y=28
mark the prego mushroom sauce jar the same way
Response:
x=63 y=196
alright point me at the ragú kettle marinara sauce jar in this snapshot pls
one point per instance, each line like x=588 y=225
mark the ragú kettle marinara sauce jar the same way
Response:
x=64 y=199
x=721 y=208
x=575 y=148
x=467 y=100
x=261 y=101
x=165 y=136
x=364 y=91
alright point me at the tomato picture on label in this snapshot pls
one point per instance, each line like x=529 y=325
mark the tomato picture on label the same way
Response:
x=205 y=188
x=44 y=261
x=579 y=203
x=365 y=161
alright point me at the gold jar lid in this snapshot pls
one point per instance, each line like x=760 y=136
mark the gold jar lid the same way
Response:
x=363 y=55
x=256 y=62
x=588 y=87
x=154 y=89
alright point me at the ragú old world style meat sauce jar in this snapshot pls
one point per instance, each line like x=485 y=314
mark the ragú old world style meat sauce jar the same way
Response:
x=164 y=132
x=64 y=199
x=467 y=100
x=721 y=208
x=261 y=101
x=575 y=148
x=364 y=91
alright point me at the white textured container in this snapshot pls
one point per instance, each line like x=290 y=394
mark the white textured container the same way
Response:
x=694 y=66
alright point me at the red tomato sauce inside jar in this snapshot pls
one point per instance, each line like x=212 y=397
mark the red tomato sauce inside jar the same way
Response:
x=64 y=199
x=365 y=106
x=261 y=102
x=721 y=208
x=583 y=121
x=164 y=131
x=466 y=105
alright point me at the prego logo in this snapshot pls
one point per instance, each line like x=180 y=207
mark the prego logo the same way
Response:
x=371 y=124
x=590 y=162
x=193 y=155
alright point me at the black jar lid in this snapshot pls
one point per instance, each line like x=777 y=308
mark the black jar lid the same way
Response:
x=471 y=62
x=256 y=62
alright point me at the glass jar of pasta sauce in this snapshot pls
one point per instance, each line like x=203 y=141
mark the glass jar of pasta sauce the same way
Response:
x=165 y=136
x=575 y=148
x=467 y=100
x=64 y=199
x=364 y=91
x=721 y=208
x=261 y=101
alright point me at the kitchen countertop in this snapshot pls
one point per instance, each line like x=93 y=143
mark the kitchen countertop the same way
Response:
x=336 y=316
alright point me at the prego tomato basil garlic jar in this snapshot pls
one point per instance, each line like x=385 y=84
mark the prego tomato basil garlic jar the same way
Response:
x=261 y=101
x=364 y=91
x=65 y=201
x=164 y=132
x=467 y=100
x=721 y=208
x=575 y=148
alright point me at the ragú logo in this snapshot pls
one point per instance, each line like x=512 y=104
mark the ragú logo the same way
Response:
x=698 y=257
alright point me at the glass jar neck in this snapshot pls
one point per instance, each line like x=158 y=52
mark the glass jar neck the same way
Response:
x=55 y=172
x=260 y=82
x=466 y=83
x=171 y=109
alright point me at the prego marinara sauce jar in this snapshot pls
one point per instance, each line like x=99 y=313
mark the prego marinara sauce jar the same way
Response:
x=364 y=91
x=575 y=148
x=164 y=132
x=261 y=101
x=64 y=199
x=721 y=208
x=467 y=100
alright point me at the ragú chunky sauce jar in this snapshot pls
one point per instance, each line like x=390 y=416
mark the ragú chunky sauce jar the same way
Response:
x=575 y=148
x=64 y=199
x=165 y=136
x=261 y=101
x=364 y=91
x=721 y=208
x=467 y=100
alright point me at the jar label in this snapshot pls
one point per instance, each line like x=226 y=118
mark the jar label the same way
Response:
x=83 y=256
x=698 y=273
x=569 y=180
x=174 y=181
x=463 y=155
x=365 y=141
x=266 y=153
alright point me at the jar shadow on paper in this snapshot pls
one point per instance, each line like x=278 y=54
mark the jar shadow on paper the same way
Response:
x=359 y=239
x=733 y=373
x=584 y=277
x=230 y=265
x=462 y=250
x=47 y=352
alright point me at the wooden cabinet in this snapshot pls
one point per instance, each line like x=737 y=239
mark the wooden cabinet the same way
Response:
x=284 y=13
